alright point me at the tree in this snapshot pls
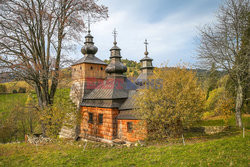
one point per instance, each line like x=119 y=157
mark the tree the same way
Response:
x=173 y=100
x=31 y=113
x=221 y=43
x=33 y=35
x=212 y=79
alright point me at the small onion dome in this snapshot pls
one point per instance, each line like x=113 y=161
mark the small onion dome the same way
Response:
x=116 y=66
x=89 y=47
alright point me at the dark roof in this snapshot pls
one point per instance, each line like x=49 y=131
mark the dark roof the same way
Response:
x=146 y=59
x=142 y=79
x=129 y=103
x=116 y=103
x=127 y=115
x=90 y=59
x=112 y=93
x=112 y=88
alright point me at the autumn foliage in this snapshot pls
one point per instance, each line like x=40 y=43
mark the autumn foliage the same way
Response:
x=171 y=100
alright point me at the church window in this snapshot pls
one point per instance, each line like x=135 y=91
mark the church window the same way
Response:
x=129 y=126
x=100 y=118
x=91 y=68
x=90 y=117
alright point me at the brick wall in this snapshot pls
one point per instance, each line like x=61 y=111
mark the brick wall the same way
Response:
x=106 y=130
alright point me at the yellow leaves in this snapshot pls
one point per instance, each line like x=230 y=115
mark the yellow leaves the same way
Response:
x=219 y=103
x=179 y=98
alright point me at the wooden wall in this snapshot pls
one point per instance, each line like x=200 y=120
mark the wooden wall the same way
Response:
x=85 y=70
x=106 y=130
x=138 y=132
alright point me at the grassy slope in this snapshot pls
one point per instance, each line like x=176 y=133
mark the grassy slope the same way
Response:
x=220 y=122
x=8 y=101
x=229 y=151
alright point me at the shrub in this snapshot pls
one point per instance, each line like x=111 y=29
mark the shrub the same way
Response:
x=3 y=89
x=177 y=104
x=14 y=91
x=22 y=90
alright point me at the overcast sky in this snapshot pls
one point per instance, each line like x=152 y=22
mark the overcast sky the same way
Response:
x=170 y=26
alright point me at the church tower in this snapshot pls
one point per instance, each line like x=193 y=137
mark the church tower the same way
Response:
x=146 y=67
x=88 y=72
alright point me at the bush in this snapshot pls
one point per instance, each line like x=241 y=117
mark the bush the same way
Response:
x=3 y=89
x=14 y=91
x=22 y=90
x=177 y=104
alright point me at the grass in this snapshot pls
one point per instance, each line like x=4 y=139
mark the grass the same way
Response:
x=15 y=85
x=9 y=101
x=227 y=151
x=218 y=121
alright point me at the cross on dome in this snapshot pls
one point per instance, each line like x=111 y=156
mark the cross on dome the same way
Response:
x=146 y=47
x=115 y=35
x=88 y=20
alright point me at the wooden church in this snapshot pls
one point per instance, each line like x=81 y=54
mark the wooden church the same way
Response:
x=104 y=94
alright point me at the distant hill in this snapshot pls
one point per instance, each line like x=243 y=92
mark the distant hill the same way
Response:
x=6 y=77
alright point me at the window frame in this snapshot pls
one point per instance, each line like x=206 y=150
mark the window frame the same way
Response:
x=129 y=127
x=100 y=119
x=91 y=115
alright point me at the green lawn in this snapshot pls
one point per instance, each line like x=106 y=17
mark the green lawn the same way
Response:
x=9 y=101
x=228 y=151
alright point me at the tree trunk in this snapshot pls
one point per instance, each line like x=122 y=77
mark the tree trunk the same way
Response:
x=238 y=105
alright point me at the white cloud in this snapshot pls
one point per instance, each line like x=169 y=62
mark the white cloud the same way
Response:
x=170 y=39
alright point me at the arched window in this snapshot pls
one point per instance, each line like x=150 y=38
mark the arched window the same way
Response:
x=101 y=68
x=91 y=68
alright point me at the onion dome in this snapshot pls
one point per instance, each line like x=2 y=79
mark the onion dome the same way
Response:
x=115 y=66
x=89 y=48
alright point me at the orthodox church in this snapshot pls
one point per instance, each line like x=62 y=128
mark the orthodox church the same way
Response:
x=104 y=94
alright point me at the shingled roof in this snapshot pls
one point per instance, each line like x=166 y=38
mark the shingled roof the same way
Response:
x=129 y=103
x=111 y=93
x=128 y=115
x=90 y=59
x=112 y=88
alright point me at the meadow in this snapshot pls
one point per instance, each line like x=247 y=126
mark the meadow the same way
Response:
x=226 y=151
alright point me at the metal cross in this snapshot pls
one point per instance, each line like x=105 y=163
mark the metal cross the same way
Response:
x=88 y=23
x=146 y=45
x=115 y=35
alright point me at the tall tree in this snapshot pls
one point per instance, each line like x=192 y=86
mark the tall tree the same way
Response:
x=221 y=44
x=33 y=35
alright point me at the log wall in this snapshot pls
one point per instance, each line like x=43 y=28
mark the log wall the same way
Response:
x=138 y=132
x=106 y=130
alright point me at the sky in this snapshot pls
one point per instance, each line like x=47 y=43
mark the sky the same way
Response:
x=170 y=26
